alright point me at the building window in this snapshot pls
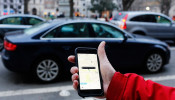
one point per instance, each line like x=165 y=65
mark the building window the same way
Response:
x=83 y=4
x=5 y=6
x=5 y=0
x=19 y=7
x=33 y=1
x=20 y=1
x=11 y=6
x=11 y=1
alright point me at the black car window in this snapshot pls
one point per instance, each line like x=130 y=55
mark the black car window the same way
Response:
x=33 y=21
x=144 y=18
x=106 y=31
x=13 y=21
x=161 y=19
x=74 y=30
x=51 y=34
x=69 y=30
x=36 y=28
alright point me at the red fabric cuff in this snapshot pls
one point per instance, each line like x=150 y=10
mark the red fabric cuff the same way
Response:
x=116 y=87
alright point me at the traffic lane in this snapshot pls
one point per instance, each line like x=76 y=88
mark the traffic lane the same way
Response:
x=17 y=86
x=168 y=69
x=13 y=81
x=70 y=95
x=61 y=95
x=166 y=76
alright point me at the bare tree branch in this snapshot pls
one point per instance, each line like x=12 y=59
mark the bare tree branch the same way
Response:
x=26 y=6
x=165 y=6
x=71 y=4
x=127 y=4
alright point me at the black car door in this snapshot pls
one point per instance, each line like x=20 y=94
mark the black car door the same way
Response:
x=65 y=38
x=116 y=50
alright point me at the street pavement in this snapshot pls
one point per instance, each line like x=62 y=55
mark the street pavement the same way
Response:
x=19 y=87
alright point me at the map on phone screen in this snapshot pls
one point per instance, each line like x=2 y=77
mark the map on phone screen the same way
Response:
x=88 y=71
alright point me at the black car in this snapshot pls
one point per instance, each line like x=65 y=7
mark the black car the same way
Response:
x=43 y=49
x=16 y=22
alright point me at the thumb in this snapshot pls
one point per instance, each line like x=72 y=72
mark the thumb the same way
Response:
x=101 y=52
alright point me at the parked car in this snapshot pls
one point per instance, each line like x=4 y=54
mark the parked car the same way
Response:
x=16 y=22
x=42 y=50
x=173 y=18
x=152 y=24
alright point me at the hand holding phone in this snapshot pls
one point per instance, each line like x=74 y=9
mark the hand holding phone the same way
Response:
x=90 y=80
x=106 y=68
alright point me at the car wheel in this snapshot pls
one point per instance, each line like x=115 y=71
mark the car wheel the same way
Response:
x=1 y=43
x=47 y=70
x=154 y=62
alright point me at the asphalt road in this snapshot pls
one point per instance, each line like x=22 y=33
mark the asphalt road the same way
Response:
x=19 y=87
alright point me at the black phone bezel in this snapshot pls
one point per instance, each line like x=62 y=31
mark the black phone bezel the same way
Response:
x=89 y=92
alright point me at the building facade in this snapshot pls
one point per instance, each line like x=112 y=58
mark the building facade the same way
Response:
x=43 y=7
x=64 y=8
x=81 y=7
x=146 y=5
x=172 y=9
x=11 y=7
x=151 y=5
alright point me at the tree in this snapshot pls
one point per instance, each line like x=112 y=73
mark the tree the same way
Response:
x=26 y=6
x=102 y=5
x=127 y=4
x=71 y=3
x=165 y=6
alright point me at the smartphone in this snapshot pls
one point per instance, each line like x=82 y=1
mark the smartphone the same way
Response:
x=90 y=80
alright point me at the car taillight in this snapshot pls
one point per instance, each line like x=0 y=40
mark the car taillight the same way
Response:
x=9 y=46
x=123 y=25
x=111 y=18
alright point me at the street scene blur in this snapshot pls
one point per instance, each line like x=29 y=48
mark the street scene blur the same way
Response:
x=37 y=36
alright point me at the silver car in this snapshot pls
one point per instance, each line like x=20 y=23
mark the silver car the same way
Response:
x=16 y=22
x=152 y=24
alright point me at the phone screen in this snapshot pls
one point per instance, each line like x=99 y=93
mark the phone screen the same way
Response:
x=89 y=77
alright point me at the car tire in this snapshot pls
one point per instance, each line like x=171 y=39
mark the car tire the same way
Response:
x=1 y=44
x=154 y=62
x=47 y=69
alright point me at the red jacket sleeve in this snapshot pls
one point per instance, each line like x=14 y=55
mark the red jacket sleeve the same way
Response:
x=134 y=87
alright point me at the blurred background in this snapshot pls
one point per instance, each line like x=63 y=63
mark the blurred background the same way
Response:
x=84 y=8
x=30 y=28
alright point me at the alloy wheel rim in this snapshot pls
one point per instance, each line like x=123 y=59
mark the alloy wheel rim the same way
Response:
x=154 y=62
x=47 y=70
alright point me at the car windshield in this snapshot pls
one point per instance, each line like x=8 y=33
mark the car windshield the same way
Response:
x=36 y=28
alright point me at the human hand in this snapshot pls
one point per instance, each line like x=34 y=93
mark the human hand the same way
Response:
x=106 y=68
